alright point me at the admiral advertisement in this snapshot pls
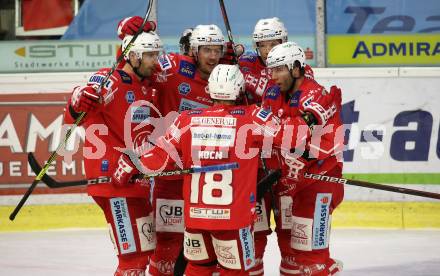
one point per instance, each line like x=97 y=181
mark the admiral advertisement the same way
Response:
x=383 y=32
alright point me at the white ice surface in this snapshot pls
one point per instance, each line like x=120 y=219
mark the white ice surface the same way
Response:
x=90 y=252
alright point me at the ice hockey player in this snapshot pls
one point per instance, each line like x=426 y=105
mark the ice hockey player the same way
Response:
x=306 y=206
x=184 y=46
x=182 y=86
x=181 y=81
x=112 y=115
x=220 y=206
x=268 y=33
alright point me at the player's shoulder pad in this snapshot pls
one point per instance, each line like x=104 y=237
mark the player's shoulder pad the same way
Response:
x=272 y=92
x=248 y=58
x=125 y=77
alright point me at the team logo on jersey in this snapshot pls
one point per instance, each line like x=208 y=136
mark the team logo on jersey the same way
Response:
x=294 y=99
x=129 y=97
x=237 y=112
x=104 y=165
x=272 y=92
x=164 y=62
x=187 y=69
x=263 y=114
x=124 y=77
x=184 y=88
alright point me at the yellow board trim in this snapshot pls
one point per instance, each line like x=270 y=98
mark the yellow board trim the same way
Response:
x=397 y=215
x=379 y=49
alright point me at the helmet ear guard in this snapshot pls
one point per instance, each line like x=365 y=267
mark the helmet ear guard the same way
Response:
x=145 y=42
x=225 y=82
x=286 y=54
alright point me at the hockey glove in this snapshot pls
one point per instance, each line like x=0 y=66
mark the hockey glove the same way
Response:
x=130 y=25
x=84 y=99
x=124 y=172
x=230 y=57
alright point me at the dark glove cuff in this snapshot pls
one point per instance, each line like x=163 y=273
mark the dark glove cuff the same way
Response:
x=73 y=113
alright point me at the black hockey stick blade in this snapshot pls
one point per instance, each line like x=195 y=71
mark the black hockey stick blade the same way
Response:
x=49 y=181
x=265 y=184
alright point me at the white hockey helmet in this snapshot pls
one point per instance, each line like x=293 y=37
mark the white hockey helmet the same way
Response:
x=269 y=29
x=145 y=42
x=225 y=82
x=286 y=54
x=206 y=35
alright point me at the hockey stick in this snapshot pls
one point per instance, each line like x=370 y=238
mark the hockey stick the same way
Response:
x=52 y=183
x=231 y=39
x=265 y=184
x=77 y=120
x=228 y=28
x=376 y=186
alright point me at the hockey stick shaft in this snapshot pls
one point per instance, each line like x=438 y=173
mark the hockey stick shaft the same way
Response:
x=43 y=171
x=228 y=27
x=77 y=121
x=52 y=183
x=376 y=186
x=231 y=39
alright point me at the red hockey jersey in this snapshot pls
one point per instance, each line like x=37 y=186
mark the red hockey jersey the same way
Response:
x=126 y=104
x=221 y=134
x=179 y=84
x=326 y=145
